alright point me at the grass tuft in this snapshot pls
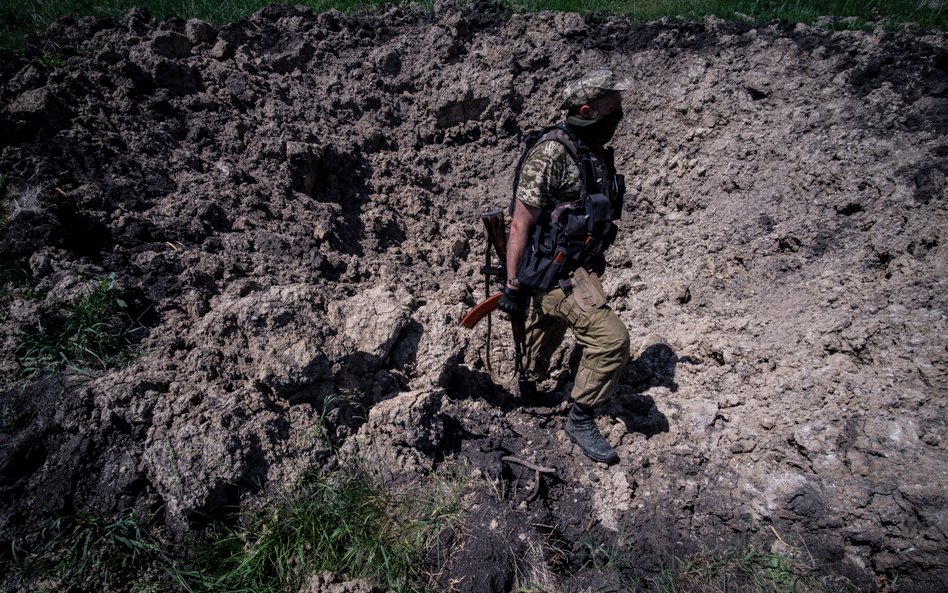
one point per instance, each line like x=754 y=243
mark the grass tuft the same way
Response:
x=605 y=555
x=28 y=200
x=86 y=552
x=344 y=522
x=747 y=570
x=97 y=332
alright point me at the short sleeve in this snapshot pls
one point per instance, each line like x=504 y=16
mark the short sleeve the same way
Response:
x=549 y=175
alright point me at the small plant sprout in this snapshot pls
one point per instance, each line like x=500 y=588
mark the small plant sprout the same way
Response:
x=97 y=332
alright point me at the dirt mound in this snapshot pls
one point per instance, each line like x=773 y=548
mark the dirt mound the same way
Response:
x=294 y=199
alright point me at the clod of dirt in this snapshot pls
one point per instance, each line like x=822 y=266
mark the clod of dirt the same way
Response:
x=402 y=438
x=326 y=583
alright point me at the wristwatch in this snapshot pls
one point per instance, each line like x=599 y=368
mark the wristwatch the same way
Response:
x=513 y=282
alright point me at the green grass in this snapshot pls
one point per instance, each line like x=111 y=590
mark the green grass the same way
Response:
x=339 y=523
x=344 y=522
x=87 y=552
x=891 y=12
x=20 y=18
x=747 y=570
x=604 y=555
x=96 y=332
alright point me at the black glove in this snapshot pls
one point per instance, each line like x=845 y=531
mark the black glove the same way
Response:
x=514 y=302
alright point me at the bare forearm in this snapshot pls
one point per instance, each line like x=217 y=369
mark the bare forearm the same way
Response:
x=524 y=217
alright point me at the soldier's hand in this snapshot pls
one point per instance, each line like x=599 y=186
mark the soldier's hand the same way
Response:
x=514 y=302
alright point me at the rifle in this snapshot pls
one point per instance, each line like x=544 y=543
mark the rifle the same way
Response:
x=497 y=237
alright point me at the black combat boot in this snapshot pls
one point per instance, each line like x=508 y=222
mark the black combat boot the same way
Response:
x=582 y=430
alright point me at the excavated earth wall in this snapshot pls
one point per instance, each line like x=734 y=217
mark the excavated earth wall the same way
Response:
x=293 y=199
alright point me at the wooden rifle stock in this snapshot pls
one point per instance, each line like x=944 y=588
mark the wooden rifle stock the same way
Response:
x=496 y=235
x=482 y=309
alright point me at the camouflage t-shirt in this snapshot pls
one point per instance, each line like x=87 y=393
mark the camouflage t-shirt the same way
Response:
x=549 y=176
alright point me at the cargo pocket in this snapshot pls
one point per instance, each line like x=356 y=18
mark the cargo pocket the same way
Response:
x=577 y=319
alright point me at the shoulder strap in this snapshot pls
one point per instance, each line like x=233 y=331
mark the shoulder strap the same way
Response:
x=584 y=160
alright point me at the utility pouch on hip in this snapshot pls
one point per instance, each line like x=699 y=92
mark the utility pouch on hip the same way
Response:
x=553 y=270
x=587 y=290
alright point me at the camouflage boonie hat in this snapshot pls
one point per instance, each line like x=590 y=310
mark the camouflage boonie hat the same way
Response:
x=591 y=86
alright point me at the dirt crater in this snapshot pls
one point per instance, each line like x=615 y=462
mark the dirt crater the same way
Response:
x=297 y=196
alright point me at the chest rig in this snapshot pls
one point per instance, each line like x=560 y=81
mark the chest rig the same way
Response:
x=572 y=234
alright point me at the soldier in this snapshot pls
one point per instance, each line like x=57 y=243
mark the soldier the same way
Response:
x=567 y=197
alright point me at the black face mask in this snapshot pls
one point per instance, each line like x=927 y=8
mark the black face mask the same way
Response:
x=596 y=131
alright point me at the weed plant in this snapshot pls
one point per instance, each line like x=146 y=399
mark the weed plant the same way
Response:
x=747 y=570
x=351 y=401
x=338 y=522
x=83 y=551
x=439 y=506
x=21 y=18
x=344 y=522
x=95 y=332
x=604 y=555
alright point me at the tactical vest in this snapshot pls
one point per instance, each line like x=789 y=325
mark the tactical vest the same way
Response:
x=572 y=234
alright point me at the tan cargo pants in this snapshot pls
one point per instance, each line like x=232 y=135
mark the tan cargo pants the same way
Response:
x=604 y=338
